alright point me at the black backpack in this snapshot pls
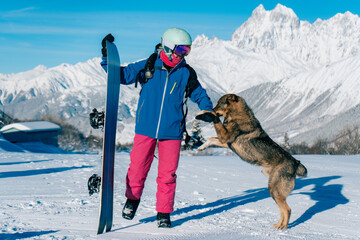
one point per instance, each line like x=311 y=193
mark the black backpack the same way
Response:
x=147 y=73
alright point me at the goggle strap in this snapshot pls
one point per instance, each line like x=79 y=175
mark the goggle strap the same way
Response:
x=167 y=44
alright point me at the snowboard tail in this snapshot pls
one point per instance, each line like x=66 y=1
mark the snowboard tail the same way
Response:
x=111 y=110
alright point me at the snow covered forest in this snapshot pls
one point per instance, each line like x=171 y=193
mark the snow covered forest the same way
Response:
x=346 y=142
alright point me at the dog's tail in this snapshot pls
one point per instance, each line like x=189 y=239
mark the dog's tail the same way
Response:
x=301 y=170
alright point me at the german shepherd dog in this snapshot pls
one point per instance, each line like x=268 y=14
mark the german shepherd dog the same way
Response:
x=242 y=133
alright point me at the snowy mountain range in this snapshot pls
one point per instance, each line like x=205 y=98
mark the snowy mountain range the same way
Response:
x=299 y=78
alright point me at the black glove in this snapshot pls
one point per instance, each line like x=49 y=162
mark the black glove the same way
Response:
x=109 y=38
x=208 y=117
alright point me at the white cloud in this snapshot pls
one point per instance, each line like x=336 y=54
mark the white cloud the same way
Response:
x=17 y=13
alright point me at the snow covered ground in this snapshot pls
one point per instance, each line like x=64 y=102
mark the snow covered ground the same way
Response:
x=44 y=196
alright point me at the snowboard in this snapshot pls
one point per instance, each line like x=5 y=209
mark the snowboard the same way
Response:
x=111 y=110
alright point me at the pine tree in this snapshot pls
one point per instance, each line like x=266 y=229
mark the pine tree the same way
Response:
x=197 y=138
x=286 y=144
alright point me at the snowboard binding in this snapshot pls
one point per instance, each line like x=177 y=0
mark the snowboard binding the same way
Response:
x=97 y=119
x=94 y=184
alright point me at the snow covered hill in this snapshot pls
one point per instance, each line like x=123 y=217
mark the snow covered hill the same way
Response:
x=45 y=196
x=298 y=77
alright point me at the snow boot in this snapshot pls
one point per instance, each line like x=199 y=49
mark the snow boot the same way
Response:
x=130 y=208
x=163 y=220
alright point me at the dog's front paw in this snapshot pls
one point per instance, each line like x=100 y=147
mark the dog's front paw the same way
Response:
x=205 y=145
x=207 y=116
x=202 y=147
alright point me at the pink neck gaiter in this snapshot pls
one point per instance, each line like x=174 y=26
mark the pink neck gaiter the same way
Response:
x=167 y=61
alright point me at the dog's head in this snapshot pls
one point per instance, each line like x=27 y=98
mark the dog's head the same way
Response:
x=226 y=103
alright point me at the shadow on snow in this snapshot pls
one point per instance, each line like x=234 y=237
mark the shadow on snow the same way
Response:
x=38 y=171
x=326 y=197
x=24 y=162
x=9 y=236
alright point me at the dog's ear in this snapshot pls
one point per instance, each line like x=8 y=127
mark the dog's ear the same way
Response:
x=232 y=98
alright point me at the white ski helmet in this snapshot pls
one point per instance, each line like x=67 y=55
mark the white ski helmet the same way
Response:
x=174 y=37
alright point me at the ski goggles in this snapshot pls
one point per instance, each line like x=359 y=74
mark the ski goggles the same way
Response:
x=179 y=50
x=182 y=50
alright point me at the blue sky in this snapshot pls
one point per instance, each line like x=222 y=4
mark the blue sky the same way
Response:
x=34 y=32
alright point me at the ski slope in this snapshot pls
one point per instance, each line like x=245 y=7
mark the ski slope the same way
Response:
x=44 y=196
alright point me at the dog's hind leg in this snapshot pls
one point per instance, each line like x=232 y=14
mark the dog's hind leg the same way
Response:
x=280 y=188
x=285 y=212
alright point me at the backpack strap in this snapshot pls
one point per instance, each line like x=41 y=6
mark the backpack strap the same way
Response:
x=145 y=74
x=191 y=85
x=148 y=70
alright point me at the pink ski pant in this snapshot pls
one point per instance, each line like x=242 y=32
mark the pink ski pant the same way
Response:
x=141 y=157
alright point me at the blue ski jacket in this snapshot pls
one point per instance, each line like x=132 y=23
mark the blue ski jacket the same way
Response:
x=160 y=107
